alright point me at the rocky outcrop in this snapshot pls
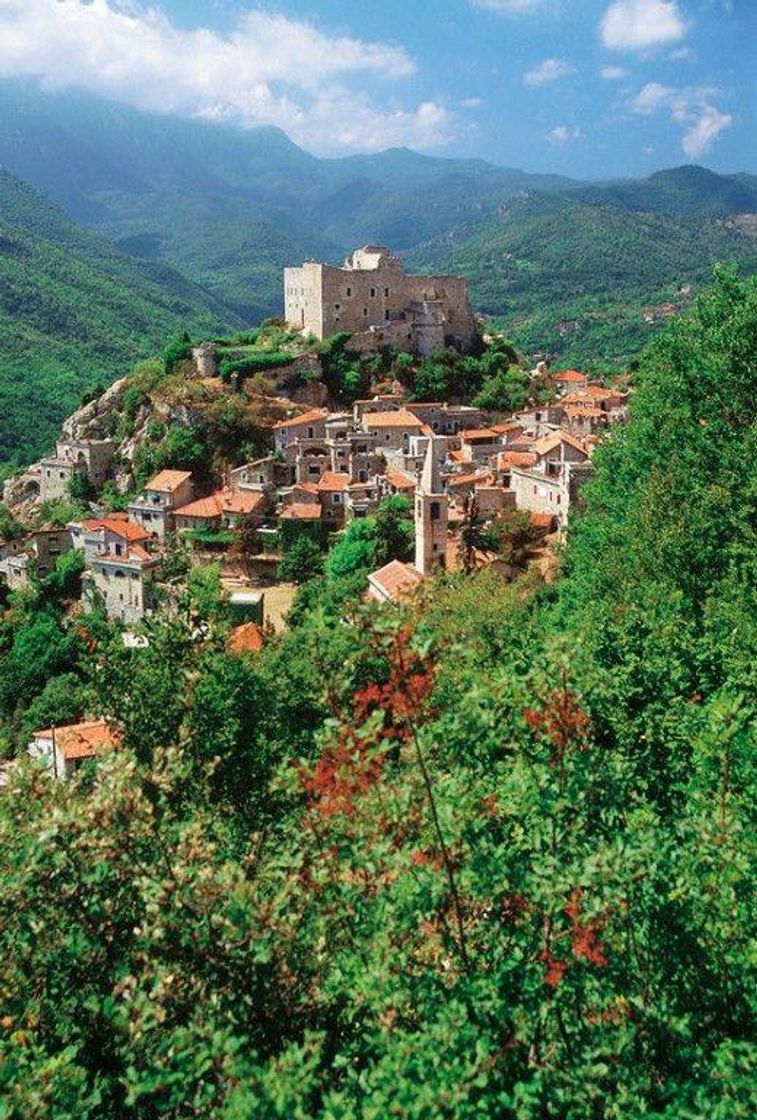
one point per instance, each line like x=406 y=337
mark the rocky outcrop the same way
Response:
x=95 y=419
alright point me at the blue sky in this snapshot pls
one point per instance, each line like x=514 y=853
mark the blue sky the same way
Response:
x=590 y=88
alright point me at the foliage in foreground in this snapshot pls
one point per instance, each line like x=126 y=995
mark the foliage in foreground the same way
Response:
x=489 y=856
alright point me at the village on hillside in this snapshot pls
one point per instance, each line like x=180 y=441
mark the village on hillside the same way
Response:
x=463 y=472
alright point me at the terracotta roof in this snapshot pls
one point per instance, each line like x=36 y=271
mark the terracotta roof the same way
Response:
x=396 y=579
x=247 y=638
x=307 y=487
x=81 y=740
x=468 y=479
x=584 y=410
x=201 y=507
x=400 y=480
x=333 y=481
x=126 y=529
x=456 y=456
x=137 y=552
x=304 y=418
x=397 y=418
x=570 y=376
x=223 y=501
x=554 y=439
x=508 y=459
x=168 y=481
x=426 y=430
x=511 y=426
x=478 y=433
x=542 y=520
x=302 y=511
x=241 y=501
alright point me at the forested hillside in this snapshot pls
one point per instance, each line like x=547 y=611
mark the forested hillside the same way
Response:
x=489 y=855
x=575 y=280
x=566 y=267
x=75 y=313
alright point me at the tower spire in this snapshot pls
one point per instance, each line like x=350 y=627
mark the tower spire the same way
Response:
x=431 y=511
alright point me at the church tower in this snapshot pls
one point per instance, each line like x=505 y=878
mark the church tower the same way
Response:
x=431 y=511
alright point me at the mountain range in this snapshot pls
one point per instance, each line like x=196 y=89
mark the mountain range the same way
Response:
x=172 y=222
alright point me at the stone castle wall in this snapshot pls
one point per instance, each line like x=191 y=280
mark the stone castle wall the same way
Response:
x=373 y=294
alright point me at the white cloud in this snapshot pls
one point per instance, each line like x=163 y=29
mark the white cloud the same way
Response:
x=562 y=134
x=705 y=130
x=471 y=103
x=548 y=71
x=641 y=24
x=267 y=70
x=612 y=73
x=692 y=108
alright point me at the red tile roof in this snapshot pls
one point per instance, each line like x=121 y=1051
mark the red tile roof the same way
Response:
x=206 y=508
x=308 y=417
x=242 y=501
x=398 y=418
x=302 y=511
x=333 y=481
x=400 y=480
x=126 y=529
x=502 y=429
x=509 y=459
x=478 y=433
x=223 y=501
x=469 y=479
x=247 y=638
x=167 y=481
x=554 y=439
x=81 y=740
x=396 y=579
x=570 y=376
x=543 y=520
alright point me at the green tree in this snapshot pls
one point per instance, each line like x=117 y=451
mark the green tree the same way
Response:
x=178 y=350
x=395 y=535
x=302 y=561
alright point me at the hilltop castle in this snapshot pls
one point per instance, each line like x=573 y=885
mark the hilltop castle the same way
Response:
x=372 y=297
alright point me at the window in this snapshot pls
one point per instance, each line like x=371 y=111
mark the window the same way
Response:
x=365 y=310
x=311 y=433
x=337 y=307
x=337 y=499
x=386 y=316
x=373 y=293
x=435 y=512
x=386 y=293
x=349 y=292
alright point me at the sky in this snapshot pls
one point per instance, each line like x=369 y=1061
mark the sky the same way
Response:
x=589 y=88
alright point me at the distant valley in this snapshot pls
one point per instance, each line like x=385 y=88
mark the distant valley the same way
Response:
x=166 y=224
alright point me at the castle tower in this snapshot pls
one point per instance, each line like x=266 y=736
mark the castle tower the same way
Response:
x=431 y=512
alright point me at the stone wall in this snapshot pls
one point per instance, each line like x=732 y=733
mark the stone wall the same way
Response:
x=373 y=299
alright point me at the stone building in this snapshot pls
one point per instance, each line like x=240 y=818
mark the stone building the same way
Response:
x=121 y=583
x=550 y=482
x=90 y=458
x=62 y=750
x=373 y=298
x=163 y=494
x=431 y=512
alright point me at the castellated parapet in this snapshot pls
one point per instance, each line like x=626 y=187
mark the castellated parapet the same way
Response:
x=373 y=298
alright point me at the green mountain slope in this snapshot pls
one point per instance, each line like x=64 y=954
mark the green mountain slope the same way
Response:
x=576 y=280
x=229 y=207
x=75 y=312
x=689 y=191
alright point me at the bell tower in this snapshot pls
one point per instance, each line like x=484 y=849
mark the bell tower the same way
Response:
x=431 y=512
